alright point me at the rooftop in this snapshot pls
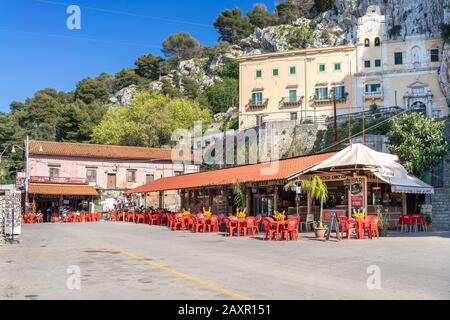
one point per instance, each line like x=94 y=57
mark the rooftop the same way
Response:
x=263 y=172
x=83 y=150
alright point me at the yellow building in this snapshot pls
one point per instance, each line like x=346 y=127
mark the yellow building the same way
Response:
x=303 y=85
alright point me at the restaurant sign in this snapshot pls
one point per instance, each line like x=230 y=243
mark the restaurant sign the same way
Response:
x=358 y=192
x=58 y=180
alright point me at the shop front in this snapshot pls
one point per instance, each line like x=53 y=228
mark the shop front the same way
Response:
x=359 y=178
x=57 y=198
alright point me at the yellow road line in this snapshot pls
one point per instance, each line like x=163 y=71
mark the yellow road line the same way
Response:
x=184 y=276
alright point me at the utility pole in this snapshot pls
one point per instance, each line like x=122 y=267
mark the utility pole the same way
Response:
x=27 y=173
x=364 y=125
x=333 y=92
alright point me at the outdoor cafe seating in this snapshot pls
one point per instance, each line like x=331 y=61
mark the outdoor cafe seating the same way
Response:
x=412 y=223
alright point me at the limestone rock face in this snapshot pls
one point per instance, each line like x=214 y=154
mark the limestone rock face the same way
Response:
x=303 y=33
x=123 y=96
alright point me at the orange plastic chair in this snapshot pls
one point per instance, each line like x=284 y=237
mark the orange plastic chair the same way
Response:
x=371 y=227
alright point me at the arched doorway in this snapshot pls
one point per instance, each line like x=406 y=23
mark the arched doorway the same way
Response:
x=419 y=107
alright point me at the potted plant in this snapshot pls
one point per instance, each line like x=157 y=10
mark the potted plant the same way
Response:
x=383 y=226
x=317 y=188
x=240 y=200
x=279 y=216
x=429 y=220
x=320 y=229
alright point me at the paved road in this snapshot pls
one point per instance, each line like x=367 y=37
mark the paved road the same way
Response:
x=126 y=261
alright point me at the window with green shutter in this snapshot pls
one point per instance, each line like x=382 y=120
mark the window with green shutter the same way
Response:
x=367 y=64
x=337 y=67
x=275 y=72
x=293 y=95
x=434 y=55
x=377 y=63
x=321 y=68
x=292 y=70
x=322 y=93
x=258 y=73
x=398 y=57
x=257 y=98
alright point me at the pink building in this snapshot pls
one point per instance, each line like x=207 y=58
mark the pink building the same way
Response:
x=74 y=175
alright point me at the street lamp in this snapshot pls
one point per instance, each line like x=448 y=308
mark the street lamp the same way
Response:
x=298 y=191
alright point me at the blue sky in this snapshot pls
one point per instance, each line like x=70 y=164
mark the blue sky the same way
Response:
x=38 y=51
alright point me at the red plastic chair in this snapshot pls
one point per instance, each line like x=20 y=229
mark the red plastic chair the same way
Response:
x=155 y=219
x=31 y=218
x=55 y=218
x=173 y=223
x=251 y=227
x=164 y=219
x=213 y=224
x=40 y=218
x=347 y=227
x=290 y=230
x=422 y=224
x=199 y=224
x=113 y=216
x=24 y=218
x=270 y=229
x=406 y=223
x=231 y=226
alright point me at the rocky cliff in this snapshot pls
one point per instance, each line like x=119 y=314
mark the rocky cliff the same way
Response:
x=330 y=28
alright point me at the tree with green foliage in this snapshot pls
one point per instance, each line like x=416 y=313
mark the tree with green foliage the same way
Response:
x=320 y=6
x=223 y=94
x=229 y=70
x=168 y=89
x=125 y=78
x=182 y=46
x=318 y=190
x=89 y=90
x=79 y=119
x=149 y=66
x=191 y=87
x=287 y=12
x=232 y=26
x=38 y=116
x=302 y=36
x=149 y=121
x=420 y=143
x=260 y=17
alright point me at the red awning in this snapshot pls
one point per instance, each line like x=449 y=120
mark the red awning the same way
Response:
x=271 y=171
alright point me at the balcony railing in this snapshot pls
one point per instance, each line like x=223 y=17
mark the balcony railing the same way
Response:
x=329 y=100
x=257 y=105
x=290 y=103
x=374 y=95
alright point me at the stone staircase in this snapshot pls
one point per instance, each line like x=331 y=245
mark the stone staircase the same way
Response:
x=441 y=199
